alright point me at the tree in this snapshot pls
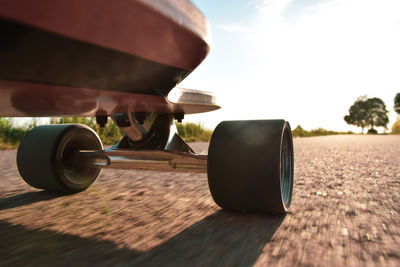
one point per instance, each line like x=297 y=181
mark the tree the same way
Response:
x=377 y=113
x=397 y=103
x=368 y=112
x=396 y=127
x=358 y=113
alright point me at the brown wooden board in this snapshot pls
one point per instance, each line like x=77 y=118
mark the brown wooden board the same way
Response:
x=18 y=99
x=94 y=57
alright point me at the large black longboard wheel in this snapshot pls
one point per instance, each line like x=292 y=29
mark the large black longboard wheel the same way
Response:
x=44 y=157
x=250 y=166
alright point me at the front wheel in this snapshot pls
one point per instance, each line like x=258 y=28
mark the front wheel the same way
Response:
x=250 y=166
x=44 y=157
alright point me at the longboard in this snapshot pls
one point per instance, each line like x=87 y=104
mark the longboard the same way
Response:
x=124 y=59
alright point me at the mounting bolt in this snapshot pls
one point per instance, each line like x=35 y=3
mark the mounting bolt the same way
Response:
x=179 y=116
x=101 y=120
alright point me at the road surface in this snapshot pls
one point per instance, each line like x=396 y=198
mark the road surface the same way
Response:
x=345 y=211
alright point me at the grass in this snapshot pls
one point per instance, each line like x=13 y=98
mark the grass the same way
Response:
x=300 y=132
x=396 y=127
x=109 y=135
x=11 y=136
x=192 y=132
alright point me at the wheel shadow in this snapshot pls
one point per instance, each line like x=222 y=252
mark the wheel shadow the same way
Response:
x=221 y=239
x=21 y=246
x=26 y=199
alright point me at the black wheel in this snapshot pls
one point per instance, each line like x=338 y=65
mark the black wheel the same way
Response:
x=44 y=157
x=250 y=165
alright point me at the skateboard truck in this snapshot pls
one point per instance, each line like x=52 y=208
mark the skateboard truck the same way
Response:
x=177 y=156
x=154 y=160
x=249 y=163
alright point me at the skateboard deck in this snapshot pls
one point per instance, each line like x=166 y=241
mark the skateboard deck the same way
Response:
x=93 y=57
x=31 y=100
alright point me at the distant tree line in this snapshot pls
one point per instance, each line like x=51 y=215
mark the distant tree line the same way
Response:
x=365 y=113
x=397 y=103
x=11 y=136
x=300 y=132
x=396 y=125
x=370 y=113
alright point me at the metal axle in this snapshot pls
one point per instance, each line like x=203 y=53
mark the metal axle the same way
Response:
x=155 y=160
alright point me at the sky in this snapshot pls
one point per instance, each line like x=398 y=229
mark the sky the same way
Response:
x=305 y=61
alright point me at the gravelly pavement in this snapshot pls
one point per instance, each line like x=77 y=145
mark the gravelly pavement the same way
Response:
x=345 y=211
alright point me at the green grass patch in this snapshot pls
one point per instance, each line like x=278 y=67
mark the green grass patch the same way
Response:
x=11 y=136
x=396 y=127
x=300 y=132
x=192 y=132
x=109 y=135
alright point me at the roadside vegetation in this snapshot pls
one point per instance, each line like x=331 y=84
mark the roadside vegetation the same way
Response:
x=300 y=132
x=192 y=132
x=366 y=113
x=9 y=135
x=110 y=134
x=370 y=113
x=396 y=127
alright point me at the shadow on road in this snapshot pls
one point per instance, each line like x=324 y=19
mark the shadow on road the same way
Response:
x=21 y=246
x=223 y=238
x=25 y=199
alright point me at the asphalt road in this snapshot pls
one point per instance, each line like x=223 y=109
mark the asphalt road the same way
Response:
x=345 y=211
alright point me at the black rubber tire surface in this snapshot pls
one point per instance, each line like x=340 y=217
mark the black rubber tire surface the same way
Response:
x=42 y=157
x=250 y=166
